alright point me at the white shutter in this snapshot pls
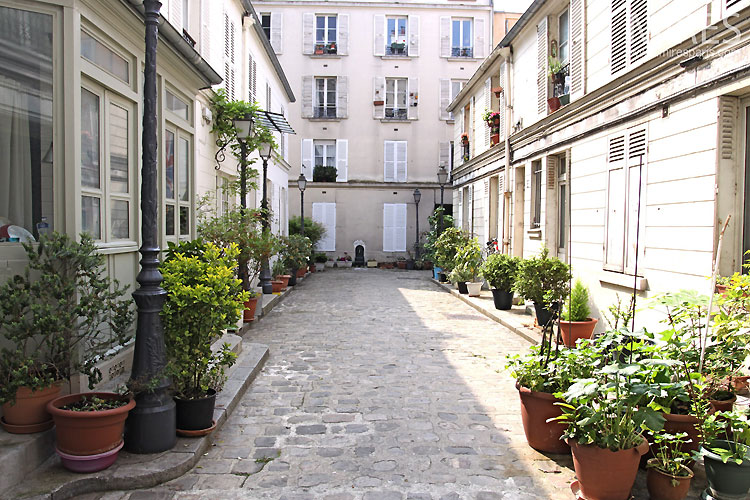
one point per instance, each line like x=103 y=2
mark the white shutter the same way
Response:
x=551 y=173
x=444 y=153
x=458 y=215
x=388 y=219
x=175 y=14
x=342 y=160
x=401 y=161
x=342 y=97
x=413 y=99
x=343 y=35
x=308 y=35
x=486 y=201
x=470 y=204
x=307 y=96
x=445 y=36
x=614 y=243
x=205 y=47
x=307 y=158
x=479 y=37
x=378 y=95
x=389 y=161
x=276 y=32
x=638 y=29
x=501 y=100
x=378 y=38
x=578 y=49
x=250 y=95
x=399 y=228
x=619 y=33
x=541 y=66
x=445 y=98
x=325 y=214
x=487 y=106
x=413 y=36
x=636 y=159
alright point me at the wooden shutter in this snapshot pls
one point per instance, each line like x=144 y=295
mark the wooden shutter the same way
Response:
x=389 y=161
x=479 y=38
x=444 y=154
x=614 y=248
x=342 y=97
x=638 y=31
x=378 y=96
x=487 y=106
x=728 y=117
x=388 y=218
x=206 y=31
x=307 y=96
x=378 y=38
x=343 y=35
x=399 y=227
x=342 y=160
x=413 y=36
x=445 y=98
x=307 y=158
x=619 y=34
x=470 y=205
x=401 y=161
x=577 y=49
x=255 y=81
x=445 y=36
x=501 y=100
x=413 y=99
x=458 y=201
x=308 y=35
x=636 y=158
x=276 y=32
x=175 y=14
x=551 y=173
x=541 y=66
x=325 y=214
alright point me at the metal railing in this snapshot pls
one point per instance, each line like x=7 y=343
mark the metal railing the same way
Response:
x=462 y=52
x=396 y=113
x=324 y=112
x=397 y=49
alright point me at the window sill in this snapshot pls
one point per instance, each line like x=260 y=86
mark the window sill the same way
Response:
x=325 y=56
x=313 y=119
x=397 y=57
x=623 y=280
x=461 y=58
x=534 y=234
x=396 y=120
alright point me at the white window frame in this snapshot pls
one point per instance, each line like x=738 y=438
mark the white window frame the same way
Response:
x=458 y=49
x=396 y=37
x=326 y=108
x=176 y=201
x=266 y=29
x=560 y=43
x=535 y=212
x=329 y=153
x=393 y=88
x=394 y=161
x=326 y=41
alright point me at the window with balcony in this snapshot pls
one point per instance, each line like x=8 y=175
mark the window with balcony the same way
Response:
x=396 y=90
x=325 y=161
x=325 y=98
x=325 y=34
x=396 y=29
x=461 y=38
x=561 y=78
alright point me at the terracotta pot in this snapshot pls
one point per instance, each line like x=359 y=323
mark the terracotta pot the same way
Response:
x=554 y=104
x=427 y=265
x=88 y=432
x=571 y=331
x=29 y=413
x=536 y=409
x=301 y=272
x=248 y=314
x=683 y=423
x=723 y=404
x=276 y=286
x=311 y=268
x=741 y=383
x=284 y=278
x=401 y=264
x=663 y=486
x=603 y=474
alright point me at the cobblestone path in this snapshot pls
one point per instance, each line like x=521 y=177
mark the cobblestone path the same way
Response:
x=378 y=386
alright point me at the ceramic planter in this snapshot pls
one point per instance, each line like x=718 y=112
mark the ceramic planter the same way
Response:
x=284 y=278
x=663 y=486
x=536 y=409
x=29 y=413
x=344 y=263
x=330 y=263
x=571 y=331
x=473 y=289
x=726 y=481
x=543 y=315
x=435 y=271
x=603 y=474
x=195 y=414
x=320 y=267
x=503 y=299
x=88 y=432
x=276 y=286
x=248 y=314
x=462 y=288
x=723 y=404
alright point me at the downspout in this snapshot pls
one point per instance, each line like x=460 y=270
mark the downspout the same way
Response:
x=507 y=192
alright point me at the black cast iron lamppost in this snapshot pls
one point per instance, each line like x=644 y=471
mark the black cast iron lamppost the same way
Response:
x=417 y=197
x=244 y=126
x=151 y=424
x=302 y=184
x=264 y=150
x=442 y=175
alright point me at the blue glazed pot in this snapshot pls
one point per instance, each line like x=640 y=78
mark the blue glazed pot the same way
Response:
x=435 y=271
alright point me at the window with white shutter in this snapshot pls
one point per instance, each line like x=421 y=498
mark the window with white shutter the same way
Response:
x=734 y=6
x=308 y=32
x=307 y=96
x=229 y=57
x=325 y=214
x=378 y=38
x=307 y=158
x=324 y=161
x=445 y=37
x=326 y=38
x=277 y=38
x=479 y=37
x=342 y=160
x=342 y=97
x=445 y=98
x=535 y=221
x=252 y=79
x=577 y=48
x=394 y=227
x=378 y=97
x=396 y=94
x=629 y=33
x=325 y=98
x=395 y=161
x=542 y=48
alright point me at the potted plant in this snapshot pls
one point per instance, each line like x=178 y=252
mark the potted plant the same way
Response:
x=668 y=476
x=726 y=454
x=492 y=118
x=320 y=261
x=500 y=272
x=575 y=322
x=401 y=263
x=465 y=139
x=460 y=275
x=280 y=273
x=344 y=261
x=203 y=298
x=330 y=262
x=295 y=249
x=446 y=247
x=544 y=280
x=59 y=318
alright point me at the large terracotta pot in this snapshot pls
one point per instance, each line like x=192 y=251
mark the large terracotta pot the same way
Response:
x=311 y=268
x=536 y=409
x=29 y=413
x=301 y=272
x=88 y=432
x=248 y=314
x=284 y=278
x=276 y=286
x=571 y=331
x=663 y=486
x=683 y=423
x=603 y=474
x=723 y=404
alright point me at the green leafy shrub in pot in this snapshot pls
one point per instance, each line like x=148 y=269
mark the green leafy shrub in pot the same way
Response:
x=469 y=258
x=430 y=237
x=461 y=274
x=447 y=247
x=543 y=280
x=295 y=250
x=278 y=268
x=320 y=258
x=313 y=230
x=500 y=271
x=577 y=306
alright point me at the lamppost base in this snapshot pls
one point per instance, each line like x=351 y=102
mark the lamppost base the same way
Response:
x=265 y=279
x=151 y=425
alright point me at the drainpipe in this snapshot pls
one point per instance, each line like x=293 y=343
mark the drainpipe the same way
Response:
x=507 y=194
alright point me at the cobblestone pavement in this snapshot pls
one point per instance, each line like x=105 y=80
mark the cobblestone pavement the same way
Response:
x=378 y=386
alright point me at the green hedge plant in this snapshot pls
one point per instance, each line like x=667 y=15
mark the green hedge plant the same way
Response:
x=543 y=279
x=500 y=271
x=295 y=250
x=447 y=247
x=577 y=305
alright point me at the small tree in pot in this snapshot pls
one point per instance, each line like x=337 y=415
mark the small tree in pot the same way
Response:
x=575 y=322
x=545 y=281
x=500 y=272
x=447 y=246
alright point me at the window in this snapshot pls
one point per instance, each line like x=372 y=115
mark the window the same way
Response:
x=325 y=214
x=394 y=227
x=325 y=34
x=265 y=23
x=104 y=57
x=456 y=86
x=629 y=33
x=395 y=98
x=394 y=161
x=536 y=195
x=461 y=38
x=177 y=106
x=325 y=98
x=396 y=36
x=229 y=61
x=563 y=27
x=177 y=193
x=186 y=15
x=222 y=195
x=325 y=161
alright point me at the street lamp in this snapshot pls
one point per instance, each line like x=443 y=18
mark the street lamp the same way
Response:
x=151 y=424
x=417 y=197
x=442 y=175
x=302 y=184
x=264 y=150
x=244 y=126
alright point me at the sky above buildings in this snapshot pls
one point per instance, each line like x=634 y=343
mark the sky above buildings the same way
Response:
x=511 y=5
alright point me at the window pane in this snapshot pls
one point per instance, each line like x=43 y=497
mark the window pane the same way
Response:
x=184 y=164
x=89 y=139
x=120 y=219
x=169 y=220
x=456 y=33
x=99 y=54
x=467 y=34
x=391 y=31
x=332 y=22
x=402 y=28
x=91 y=216
x=169 y=165
x=177 y=105
x=118 y=149
x=184 y=221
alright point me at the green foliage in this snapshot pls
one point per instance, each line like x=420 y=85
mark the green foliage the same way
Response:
x=543 y=371
x=430 y=237
x=732 y=426
x=322 y=173
x=619 y=315
x=190 y=248
x=461 y=274
x=313 y=230
x=543 y=279
x=278 y=268
x=555 y=66
x=295 y=250
x=95 y=403
x=577 y=306
x=320 y=258
x=669 y=457
x=500 y=271
x=203 y=297
x=447 y=247
x=61 y=316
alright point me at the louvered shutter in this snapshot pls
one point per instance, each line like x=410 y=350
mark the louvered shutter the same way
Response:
x=388 y=219
x=378 y=37
x=619 y=41
x=307 y=158
x=308 y=35
x=578 y=49
x=389 y=161
x=444 y=154
x=728 y=116
x=255 y=81
x=551 y=172
x=401 y=161
x=325 y=214
x=487 y=106
x=445 y=98
x=638 y=29
x=614 y=244
x=343 y=35
x=175 y=14
x=205 y=46
x=378 y=95
x=501 y=100
x=470 y=212
x=342 y=97
x=479 y=37
x=399 y=227
x=413 y=99
x=276 y=32
x=413 y=36
x=636 y=166
x=342 y=160
x=486 y=200
x=307 y=96
x=445 y=37
x=458 y=201
x=541 y=66
x=250 y=91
